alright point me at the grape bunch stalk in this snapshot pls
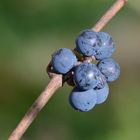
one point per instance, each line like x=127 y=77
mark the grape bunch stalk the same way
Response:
x=89 y=68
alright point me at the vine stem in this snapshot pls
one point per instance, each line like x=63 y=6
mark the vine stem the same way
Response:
x=108 y=15
x=57 y=80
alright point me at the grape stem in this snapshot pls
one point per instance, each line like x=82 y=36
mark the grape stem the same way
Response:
x=57 y=80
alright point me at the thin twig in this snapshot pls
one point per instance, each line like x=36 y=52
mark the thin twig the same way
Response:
x=109 y=15
x=54 y=84
x=57 y=80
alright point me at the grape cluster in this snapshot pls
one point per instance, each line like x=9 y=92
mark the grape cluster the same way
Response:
x=90 y=80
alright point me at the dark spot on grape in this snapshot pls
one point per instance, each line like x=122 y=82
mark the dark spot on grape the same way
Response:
x=80 y=81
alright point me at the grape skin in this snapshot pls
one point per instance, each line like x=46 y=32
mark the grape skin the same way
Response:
x=87 y=76
x=83 y=100
x=86 y=42
x=102 y=94
x=105 y=46
x=110 y=69
x=63 y=60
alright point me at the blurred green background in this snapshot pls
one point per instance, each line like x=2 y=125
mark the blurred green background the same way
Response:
x=30 y=31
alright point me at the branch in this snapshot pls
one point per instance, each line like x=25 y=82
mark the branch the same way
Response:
x=114 y=9
x=57 y=80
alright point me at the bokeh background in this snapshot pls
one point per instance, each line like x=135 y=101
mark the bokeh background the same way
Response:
x=30 y=31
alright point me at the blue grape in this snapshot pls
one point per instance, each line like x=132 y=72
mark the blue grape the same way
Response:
x=90 y=43
x=109 y=68
x=83 y=100
x=88 y=76
x=86 y=42
x=63 y=60
x=105 y=46
x=102 y=94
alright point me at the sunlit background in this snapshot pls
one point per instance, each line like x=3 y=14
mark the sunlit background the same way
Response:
x=30 y=31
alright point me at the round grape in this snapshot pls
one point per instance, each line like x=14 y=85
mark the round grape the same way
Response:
x=63 y=60
x=109 y=68
x=105 y=46
x=83 y=100
x=86 y=42
x=87 y=76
